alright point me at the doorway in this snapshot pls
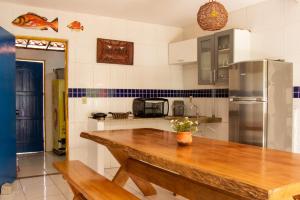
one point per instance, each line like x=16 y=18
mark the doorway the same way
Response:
x=29 y=106
x=50 y=132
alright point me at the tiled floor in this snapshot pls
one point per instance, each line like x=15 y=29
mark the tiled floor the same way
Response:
x=37 y=164
x=54 y=187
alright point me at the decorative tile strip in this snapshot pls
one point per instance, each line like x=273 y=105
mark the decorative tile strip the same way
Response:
x=297 y=92
x=146 y=93
x=150 y=93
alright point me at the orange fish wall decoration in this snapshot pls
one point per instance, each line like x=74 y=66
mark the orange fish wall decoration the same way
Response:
x=76 y=26
x=34 y=21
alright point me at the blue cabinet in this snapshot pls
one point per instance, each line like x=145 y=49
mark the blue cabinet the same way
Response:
x=7 y=107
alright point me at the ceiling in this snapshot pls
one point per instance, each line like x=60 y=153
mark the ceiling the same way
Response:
x=178 y=13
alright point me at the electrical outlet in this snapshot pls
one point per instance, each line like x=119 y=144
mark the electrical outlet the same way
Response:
x=84 y=100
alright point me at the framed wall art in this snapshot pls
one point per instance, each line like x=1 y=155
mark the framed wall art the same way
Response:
x=115 y=51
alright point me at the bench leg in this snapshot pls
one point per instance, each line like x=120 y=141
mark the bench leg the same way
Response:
x=122 y=176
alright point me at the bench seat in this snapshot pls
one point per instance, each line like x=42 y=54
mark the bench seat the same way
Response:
x=88 y=184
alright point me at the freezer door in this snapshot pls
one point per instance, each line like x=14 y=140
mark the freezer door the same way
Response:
x=248 y=79
x=248 y=122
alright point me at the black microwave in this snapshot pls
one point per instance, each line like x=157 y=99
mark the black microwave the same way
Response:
x=150 y=107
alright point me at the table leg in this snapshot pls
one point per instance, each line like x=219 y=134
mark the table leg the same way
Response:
x=144 y=186
x=122 y=176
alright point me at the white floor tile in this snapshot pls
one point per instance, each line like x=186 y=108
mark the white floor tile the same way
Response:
x=17 y=186
x=41 y=191
x=37 y=164
x=69 y=196
x=58 y=179
x=16 y=195
x=52 y=197
x=36 y=181
x=62 y=185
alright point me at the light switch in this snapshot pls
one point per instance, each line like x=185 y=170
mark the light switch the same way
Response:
x=84 y=100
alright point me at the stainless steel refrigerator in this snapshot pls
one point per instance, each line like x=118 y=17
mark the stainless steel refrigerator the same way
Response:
x=260 y=103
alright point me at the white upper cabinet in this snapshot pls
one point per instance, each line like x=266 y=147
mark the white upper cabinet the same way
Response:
x=183 y=52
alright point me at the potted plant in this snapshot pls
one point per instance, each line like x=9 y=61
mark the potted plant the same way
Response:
x=184 y=129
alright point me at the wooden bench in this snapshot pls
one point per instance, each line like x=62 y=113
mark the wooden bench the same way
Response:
x=88 y=184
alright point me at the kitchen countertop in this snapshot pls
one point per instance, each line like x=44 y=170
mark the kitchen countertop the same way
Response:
x=200 y=119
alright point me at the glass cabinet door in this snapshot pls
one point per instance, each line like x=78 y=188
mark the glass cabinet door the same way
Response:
x=224 y=54
x=206 y=60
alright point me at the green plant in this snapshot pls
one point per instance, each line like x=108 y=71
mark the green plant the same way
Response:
x=184 y=125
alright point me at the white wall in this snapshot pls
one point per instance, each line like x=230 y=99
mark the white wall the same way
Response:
x=150 y=70
x=53 y=60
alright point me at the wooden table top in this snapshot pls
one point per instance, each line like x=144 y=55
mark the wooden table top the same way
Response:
x=236 y=168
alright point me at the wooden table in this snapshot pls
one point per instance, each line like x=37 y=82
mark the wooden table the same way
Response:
x=208 y=169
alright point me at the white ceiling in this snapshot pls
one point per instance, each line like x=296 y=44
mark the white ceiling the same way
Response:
x=178 y=13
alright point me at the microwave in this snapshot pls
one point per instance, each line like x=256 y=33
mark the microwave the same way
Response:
x=150 y=107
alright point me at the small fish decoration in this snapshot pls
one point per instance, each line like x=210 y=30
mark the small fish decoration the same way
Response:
x=34 y=21
x=76 y=26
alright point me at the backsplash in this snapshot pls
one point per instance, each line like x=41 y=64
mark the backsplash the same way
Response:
x=146 y=93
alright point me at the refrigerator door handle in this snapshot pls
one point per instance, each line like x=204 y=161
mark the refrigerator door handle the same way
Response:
x=255 y=99
x=247 y=102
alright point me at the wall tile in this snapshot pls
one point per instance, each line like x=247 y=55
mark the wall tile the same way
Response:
x=296 y=122
x=71 y=108
x=118 y=76
x=101 y=105
x=217 y=131
x=263 y=15
x=83 y=111
x=85 y=53
x=83 y=75
x=291 y=38
x=273 y=47
x=75 y=141
x=102 y=75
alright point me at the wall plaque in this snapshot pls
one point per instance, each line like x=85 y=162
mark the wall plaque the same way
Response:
x=114 y=52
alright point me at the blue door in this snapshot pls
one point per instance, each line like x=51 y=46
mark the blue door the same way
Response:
x=29 y=106
x=8 y=107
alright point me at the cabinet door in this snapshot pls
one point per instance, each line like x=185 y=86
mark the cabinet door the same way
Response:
x=206 y=60
x=183 y=52
x=223 y=54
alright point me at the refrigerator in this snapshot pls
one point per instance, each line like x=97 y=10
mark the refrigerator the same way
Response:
x=261 y=103
x=8 y=107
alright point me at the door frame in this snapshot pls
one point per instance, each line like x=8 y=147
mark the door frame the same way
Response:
x=66 y=42
x=44 y=99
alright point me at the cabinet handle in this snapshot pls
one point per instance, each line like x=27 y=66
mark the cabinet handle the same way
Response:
x=214 y=76
x=180 y=60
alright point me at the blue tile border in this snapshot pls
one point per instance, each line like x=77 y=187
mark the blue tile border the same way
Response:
x=296 y=92
x=150 y=93
x=145 y=93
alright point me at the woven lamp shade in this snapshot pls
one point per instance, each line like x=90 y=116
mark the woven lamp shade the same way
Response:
x=212 y=16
